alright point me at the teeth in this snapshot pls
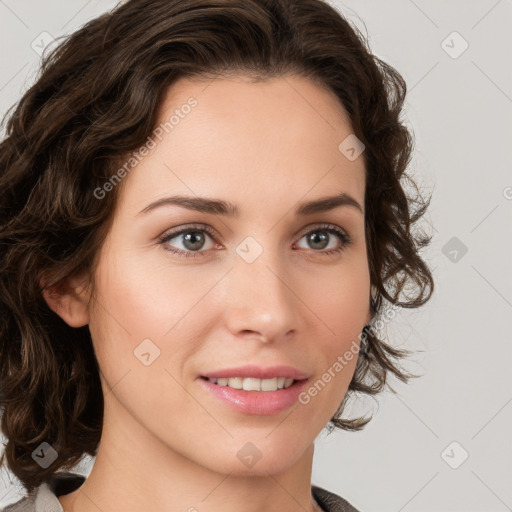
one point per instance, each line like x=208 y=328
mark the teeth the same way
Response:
x=252 y=384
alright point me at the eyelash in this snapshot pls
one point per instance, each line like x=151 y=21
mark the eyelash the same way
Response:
x=329 y=228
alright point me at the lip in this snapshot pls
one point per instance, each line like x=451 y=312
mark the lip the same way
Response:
x=258 y=372
x=256 y=402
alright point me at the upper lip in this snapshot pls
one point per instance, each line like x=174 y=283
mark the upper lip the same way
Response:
x=258 y=372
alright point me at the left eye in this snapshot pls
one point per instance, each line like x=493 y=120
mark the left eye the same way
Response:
x=321 y=236
x=193 y=240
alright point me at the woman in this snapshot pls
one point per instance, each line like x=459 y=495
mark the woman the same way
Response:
x=203 y=216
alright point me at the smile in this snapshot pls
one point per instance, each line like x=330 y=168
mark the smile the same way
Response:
x=254 y=396
x=254 y=384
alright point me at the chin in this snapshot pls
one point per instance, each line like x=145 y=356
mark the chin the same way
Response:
x=255 y=457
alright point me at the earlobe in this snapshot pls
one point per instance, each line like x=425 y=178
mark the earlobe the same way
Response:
x=373 y=297
x=69 y=299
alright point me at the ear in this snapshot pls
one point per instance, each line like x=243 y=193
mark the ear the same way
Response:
x=69 y=298
x=373 y=294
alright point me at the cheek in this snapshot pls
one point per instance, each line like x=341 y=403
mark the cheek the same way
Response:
x=145 y=297
x=136 y=302
x=341 y=302
x=128 y=325
x=340 y=299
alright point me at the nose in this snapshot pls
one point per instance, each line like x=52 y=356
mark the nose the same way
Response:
x=261 y=301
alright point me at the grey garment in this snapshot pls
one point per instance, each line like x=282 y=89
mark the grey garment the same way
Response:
x=44 y=497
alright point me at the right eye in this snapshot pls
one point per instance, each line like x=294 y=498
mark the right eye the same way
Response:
x=193 y=239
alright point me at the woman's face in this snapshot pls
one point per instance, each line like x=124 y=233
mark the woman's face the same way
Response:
x=265 y=287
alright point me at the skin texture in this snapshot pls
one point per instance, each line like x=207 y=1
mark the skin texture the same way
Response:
x=168 y=444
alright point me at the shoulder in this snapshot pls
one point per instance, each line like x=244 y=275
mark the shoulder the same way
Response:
x=25 y=504
x=44 y=497
x=331 y=502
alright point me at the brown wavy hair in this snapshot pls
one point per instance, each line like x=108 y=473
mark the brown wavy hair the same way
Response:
x=94 y=102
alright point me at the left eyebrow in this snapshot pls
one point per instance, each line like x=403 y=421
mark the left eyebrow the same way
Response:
x=220 y=207
x=328 y=203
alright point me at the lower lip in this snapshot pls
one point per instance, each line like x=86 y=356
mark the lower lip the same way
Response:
x=257 y=402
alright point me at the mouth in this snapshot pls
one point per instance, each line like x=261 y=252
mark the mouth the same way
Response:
x=250 y=395
x=254 y=384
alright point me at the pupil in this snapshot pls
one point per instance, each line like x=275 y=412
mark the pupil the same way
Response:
x=189 y=237
x=322 y=239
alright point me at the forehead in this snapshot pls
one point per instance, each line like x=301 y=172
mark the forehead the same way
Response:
x=278 y=137
x=291 y=99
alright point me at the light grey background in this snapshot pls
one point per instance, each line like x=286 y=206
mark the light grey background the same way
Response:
x=460 y=110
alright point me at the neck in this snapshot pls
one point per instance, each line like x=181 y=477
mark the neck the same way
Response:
x=134 y=471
